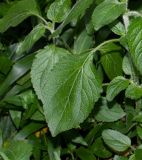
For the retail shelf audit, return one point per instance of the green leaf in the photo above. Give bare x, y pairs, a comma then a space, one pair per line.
45, 60
85, 154
139, 131
99, 149
17, 150
58, 10
17, 71
116, 140
77, 10
69, 99
5, 64
119, 29
28, 130
133, 91
116, 86
120, 158
132, 157
134, 37
17, 13
127, 66
138, 117
107, 12
83, 42
4, 8
16, 117
138, 154
112, 114
24, 46
54, 150
112, 64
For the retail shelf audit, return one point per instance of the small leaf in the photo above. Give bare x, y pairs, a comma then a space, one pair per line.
134, 37
106, 12
100, 150
127, 66
133, 91
17, 150
139, 131
58, 10
106, 114
116, 140
24, 46
17, 13
77, 10
116, 86
69, 92
83, 42
112, 64
45, 60
119, 29
120, 158
85, 154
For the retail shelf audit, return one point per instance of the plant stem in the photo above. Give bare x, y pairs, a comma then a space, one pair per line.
134, 13
104, 43
40, 17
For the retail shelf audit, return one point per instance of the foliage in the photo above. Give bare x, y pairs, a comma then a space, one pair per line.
70, 80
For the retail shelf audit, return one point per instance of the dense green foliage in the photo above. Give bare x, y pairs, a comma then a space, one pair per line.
71, 80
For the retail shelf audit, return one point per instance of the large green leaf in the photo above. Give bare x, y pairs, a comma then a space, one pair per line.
116, 86
17, 13
17, 150
58, 10
45, 60
37, 32
134, 37
112, 64
69, 92
77, 10
116, 140
134, 91
107, 12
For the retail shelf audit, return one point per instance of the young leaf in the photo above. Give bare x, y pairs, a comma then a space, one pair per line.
17, 150
30, 39
69, 92
77, 10
17, 13
58, 10
85, 154
106, 114
133, 91
107, 12
116, 86
116, 140
119, 29
127, 66
83, 42
134, 37
99, 149
45, 60
112, 64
